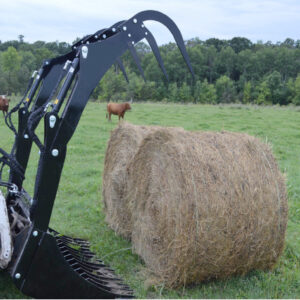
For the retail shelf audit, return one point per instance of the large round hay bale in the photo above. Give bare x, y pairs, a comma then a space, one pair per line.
204, 205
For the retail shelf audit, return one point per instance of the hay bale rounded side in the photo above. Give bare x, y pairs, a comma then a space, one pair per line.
205, 205
122, 146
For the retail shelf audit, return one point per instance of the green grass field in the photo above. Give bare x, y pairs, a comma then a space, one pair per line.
78, 207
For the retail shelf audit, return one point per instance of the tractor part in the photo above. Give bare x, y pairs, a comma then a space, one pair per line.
5, 235
46, 264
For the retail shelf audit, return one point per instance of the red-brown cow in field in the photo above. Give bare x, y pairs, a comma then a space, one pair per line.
118, 109
4, 104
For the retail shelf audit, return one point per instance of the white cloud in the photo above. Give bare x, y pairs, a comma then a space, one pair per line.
52, 20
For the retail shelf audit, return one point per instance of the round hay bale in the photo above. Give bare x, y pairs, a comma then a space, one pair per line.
203, 205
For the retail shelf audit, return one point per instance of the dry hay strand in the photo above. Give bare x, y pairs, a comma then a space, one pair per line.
202, 205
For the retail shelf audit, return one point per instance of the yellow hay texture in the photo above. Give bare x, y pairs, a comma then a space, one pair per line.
196, 205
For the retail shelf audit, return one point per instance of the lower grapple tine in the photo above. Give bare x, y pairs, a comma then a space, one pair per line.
136, 60
152, 42
122, 68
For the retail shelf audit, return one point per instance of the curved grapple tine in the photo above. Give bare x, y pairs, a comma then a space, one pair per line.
152, 42
122, 68
152, 15
136, 59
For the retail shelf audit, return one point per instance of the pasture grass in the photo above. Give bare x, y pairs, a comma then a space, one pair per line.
78, 207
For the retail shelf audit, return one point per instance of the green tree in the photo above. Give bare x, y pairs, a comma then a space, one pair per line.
276, 87
209, 92
226, 61
11, 60
239, 44
225, 90
197, 91
296, 98
205, 92
146, 91
185, 93
42, 54
113, 86
291, 90
11, 64
263, 94
173, 92
247, 97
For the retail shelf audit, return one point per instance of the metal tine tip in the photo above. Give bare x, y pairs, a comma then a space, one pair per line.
95, 272
94, 266
122, 68
82, 246
78, 253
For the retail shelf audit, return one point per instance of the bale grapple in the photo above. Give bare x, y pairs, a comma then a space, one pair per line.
42, 262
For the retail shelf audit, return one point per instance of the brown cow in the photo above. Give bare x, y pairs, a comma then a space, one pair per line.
117, 109
4, 104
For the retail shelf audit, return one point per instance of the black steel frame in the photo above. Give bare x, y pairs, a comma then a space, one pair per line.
44, 265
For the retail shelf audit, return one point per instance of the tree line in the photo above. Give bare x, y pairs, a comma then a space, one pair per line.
226, 71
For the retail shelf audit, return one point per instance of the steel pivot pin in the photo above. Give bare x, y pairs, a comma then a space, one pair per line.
52, 121
55, 152
84, 51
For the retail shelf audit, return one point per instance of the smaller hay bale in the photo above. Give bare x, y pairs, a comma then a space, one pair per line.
198, 205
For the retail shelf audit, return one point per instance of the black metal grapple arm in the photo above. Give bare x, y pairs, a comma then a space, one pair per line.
44, 265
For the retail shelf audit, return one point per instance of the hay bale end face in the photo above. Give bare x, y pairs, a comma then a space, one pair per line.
200, 205
122, 147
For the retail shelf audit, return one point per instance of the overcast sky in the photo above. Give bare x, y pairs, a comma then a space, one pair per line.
65, 20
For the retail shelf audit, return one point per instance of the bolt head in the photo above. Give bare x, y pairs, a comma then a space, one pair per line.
124, 28
26, 136
132, 42
23, 112
84, 51
52, 121
35, 233
55, 152
96, 36
129, 34
142, 25
134, 20
18, 276
114, 29
104, 36
146, 33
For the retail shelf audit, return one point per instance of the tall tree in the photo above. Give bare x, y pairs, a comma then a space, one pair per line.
296, 98
11, 64
225, 90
